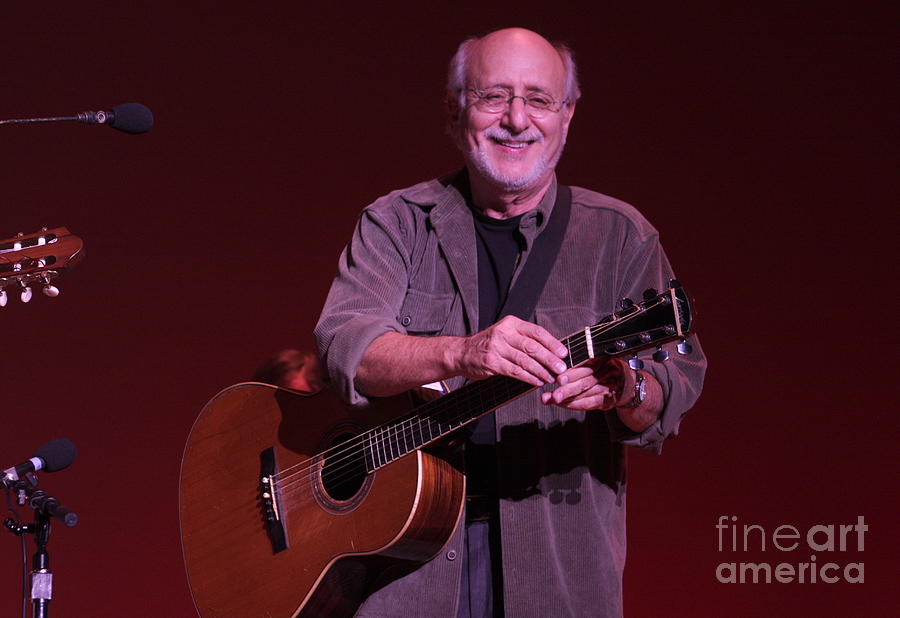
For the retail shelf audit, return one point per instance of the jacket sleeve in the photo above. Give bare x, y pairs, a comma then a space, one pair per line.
366, 294
645, 266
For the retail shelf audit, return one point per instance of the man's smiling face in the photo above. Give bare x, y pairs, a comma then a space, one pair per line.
513, 150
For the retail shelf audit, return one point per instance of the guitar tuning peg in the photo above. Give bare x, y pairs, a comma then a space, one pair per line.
660, 355
650, 294
684, 347
26, 293
625, 303
635, 363
49, 290
3, 298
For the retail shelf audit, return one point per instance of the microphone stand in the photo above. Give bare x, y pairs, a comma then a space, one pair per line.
45, 507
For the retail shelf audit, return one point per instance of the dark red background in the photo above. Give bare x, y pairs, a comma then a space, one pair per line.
758, 140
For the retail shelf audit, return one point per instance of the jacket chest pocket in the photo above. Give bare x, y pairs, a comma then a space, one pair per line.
425, 313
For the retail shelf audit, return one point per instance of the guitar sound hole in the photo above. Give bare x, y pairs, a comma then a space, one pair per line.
344, 471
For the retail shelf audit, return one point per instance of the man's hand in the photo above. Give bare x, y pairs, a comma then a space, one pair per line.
604, 385
595, 386
511, 347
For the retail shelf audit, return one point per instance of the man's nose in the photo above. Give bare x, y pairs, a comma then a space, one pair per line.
516, 119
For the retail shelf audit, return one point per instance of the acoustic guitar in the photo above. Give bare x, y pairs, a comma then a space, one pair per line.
38, 258
293, 505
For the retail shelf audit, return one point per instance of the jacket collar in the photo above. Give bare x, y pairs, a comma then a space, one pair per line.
455, 230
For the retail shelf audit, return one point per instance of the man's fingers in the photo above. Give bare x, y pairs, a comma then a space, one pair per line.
518, 349
533, 373
575, 388
578, 373
597, 397
579, 389
544, 352
517, 364
543, 337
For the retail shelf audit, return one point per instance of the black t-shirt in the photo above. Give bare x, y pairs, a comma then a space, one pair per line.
499, 244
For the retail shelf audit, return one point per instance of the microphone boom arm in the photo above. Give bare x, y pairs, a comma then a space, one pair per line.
84, 118
131, 118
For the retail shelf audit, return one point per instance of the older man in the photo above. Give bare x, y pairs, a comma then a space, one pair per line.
424, 293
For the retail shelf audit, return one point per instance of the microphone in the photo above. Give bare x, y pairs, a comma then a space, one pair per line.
132, 118
53, 456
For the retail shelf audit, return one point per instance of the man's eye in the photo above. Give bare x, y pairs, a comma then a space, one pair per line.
539, 100
494, 96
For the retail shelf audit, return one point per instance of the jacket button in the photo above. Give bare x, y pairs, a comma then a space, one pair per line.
406, 321
451, 555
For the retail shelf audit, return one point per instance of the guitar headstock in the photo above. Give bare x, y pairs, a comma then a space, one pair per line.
659, 318
40, 258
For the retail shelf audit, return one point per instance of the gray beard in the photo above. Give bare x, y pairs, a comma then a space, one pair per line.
478, 158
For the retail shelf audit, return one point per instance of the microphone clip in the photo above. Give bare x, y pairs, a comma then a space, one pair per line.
29, 480
100, 117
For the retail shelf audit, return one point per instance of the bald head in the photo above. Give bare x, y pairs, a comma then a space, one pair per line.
511, 97
526, 45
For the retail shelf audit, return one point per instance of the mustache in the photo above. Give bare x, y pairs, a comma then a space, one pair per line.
503, 134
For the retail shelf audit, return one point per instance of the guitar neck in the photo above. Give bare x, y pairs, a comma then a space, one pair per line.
436, 419
627, 331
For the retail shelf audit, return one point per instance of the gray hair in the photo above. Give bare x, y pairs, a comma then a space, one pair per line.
456, 74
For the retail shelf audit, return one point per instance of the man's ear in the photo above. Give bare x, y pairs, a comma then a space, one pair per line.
569, 111
453, 109
454, 112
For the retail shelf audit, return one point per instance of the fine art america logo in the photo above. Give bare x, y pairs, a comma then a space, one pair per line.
834, 540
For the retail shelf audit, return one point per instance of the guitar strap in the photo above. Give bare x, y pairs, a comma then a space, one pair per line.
523, 297
481, 451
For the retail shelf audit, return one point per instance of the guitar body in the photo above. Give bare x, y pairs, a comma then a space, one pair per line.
337, 541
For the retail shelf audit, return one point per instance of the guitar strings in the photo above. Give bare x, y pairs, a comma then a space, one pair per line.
388, 437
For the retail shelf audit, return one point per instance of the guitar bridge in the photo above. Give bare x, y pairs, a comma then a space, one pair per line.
271, 498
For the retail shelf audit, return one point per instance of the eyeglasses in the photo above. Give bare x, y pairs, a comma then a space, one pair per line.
496, 100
